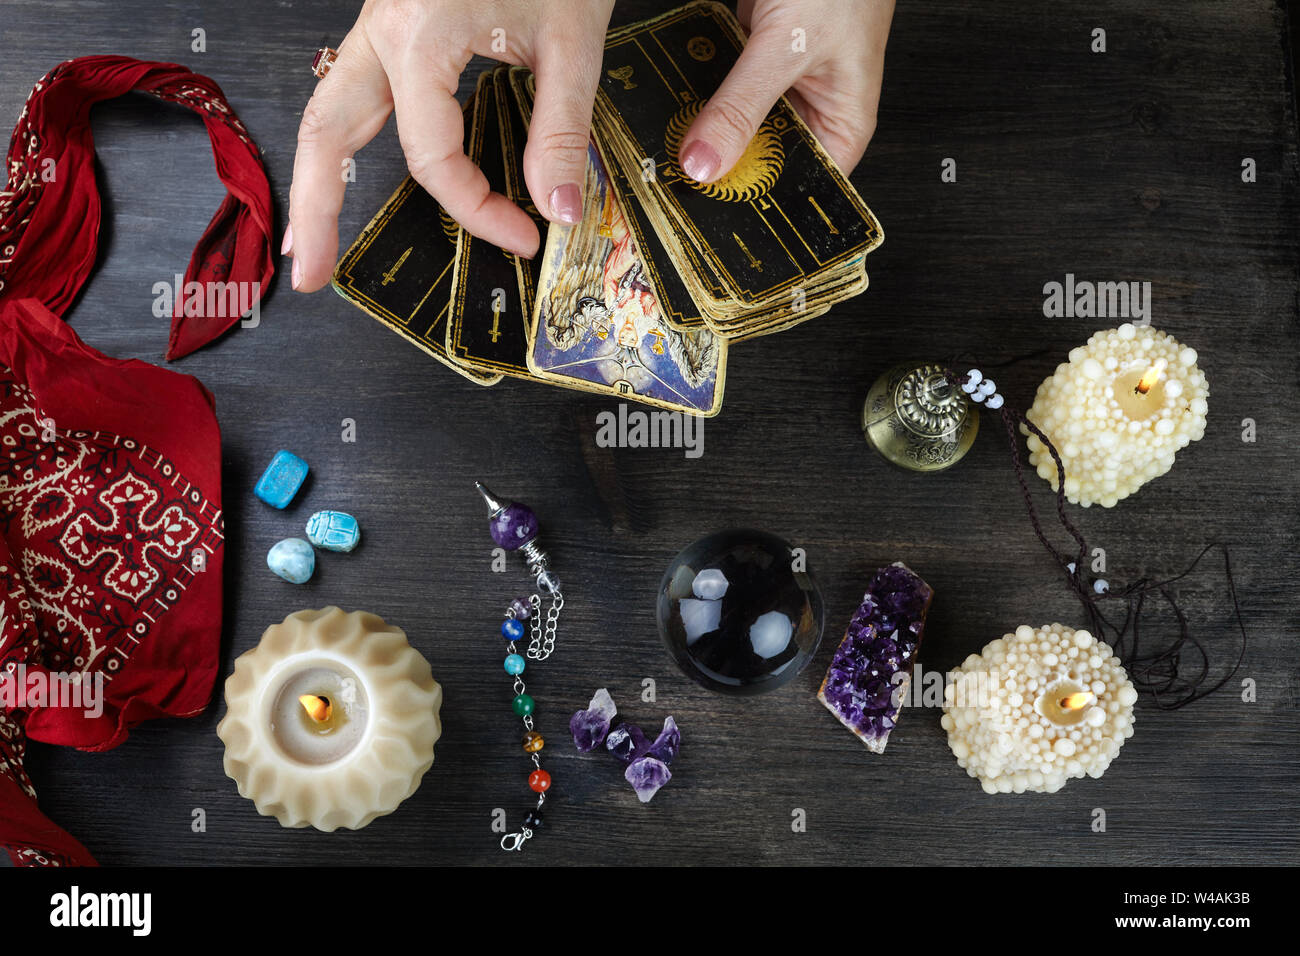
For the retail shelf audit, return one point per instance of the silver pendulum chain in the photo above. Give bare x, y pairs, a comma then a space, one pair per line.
542, 639
541, 643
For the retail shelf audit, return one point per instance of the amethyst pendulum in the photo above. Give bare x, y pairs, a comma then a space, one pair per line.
514, 527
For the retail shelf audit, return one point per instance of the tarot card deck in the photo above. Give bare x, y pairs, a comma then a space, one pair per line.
643, 298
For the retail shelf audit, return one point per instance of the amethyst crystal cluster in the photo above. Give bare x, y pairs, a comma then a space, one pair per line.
646, 763
869, 673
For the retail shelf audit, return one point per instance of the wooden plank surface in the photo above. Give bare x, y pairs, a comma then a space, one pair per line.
1117, 166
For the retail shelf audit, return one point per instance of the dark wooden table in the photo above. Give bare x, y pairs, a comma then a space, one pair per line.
1117, 166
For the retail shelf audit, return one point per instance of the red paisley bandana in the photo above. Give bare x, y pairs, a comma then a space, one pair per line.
110, 471
110, 552
49, 211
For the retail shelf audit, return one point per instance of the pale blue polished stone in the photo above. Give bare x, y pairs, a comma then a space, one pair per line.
292, 559
281, 480
333, 530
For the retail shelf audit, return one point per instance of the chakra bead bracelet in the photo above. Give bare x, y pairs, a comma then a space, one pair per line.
514, 527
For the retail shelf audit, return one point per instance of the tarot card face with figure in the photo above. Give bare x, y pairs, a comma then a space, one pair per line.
597, 321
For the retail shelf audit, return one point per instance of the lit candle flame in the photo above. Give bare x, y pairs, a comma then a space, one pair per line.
1151, 376
318, 708
1076, 701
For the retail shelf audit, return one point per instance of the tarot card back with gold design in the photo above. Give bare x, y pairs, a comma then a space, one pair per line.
784, 219
399, 272
487, 325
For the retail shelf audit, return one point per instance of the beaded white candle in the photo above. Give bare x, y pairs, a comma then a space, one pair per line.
1037, 708
1117, 412
331, 720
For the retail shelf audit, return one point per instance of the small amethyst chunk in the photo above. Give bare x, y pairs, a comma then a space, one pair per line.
667, 743
646, 764
647, 775
590, 727
627, 743
868, 677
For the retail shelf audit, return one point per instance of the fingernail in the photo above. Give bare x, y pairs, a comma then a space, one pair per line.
566, 204
297, 274
524, 253
287, 243
701, 161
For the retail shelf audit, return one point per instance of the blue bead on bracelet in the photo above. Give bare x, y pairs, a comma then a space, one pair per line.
514, 664
511, 629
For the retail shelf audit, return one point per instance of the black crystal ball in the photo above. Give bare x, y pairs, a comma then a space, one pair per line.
740, 612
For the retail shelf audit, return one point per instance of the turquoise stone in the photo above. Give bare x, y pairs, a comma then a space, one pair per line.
281, 480
514, 664
292, 559
333, 530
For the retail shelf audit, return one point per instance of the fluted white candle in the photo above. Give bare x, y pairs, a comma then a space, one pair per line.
331, 720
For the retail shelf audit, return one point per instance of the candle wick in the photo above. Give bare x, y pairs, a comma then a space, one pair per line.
317, 706
1151, 376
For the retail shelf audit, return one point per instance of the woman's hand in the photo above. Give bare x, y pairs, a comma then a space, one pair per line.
826, 55
407, 56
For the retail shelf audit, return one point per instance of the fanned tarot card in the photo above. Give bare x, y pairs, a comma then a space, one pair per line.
399, 271
487, 326
513, 117
524, 86
598, 325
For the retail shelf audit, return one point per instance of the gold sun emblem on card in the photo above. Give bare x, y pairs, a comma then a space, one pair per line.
752, 178
701, 48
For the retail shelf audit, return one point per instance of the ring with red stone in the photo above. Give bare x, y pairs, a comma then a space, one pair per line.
323, 60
